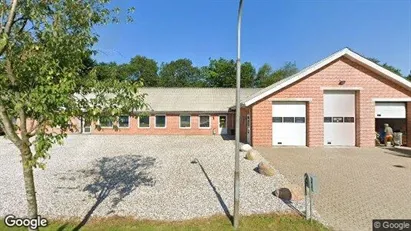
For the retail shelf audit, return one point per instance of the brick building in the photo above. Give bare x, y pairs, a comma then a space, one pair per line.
342, 100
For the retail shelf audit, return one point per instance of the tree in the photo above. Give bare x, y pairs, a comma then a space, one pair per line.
263, 72
266, 76
110, 71
386, 66
222, 73
143, 69
45, 74
179, 73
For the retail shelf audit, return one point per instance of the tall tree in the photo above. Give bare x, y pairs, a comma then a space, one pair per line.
222, 73
44, 78
387, 66
178, 73
143, 69
263, 72
266, 76
111, 71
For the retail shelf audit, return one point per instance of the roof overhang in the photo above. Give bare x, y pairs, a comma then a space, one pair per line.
305, 72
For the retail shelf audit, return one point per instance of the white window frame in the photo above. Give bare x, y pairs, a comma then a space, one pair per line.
112, 123
118, 122
149, 122
165, 121
179, 121
209, 122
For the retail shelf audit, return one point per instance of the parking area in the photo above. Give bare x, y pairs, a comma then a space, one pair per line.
356, 184
148, 177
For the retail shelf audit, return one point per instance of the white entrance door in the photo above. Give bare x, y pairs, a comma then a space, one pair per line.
222, 124
391, 110
289, 123
248, 130
86, 126
339, 118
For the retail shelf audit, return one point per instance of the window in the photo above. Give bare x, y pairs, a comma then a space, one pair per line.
144, 121
300, 119
204, 121
185, 121
348, 119
123, 121
160, 121
328, 119
277, 119
288, 119
106, 122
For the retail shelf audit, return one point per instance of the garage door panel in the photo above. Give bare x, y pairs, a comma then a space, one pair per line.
339, 134
390, 110
339, 118
289, 123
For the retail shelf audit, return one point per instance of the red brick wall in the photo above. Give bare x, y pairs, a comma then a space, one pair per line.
172, 127
374, 86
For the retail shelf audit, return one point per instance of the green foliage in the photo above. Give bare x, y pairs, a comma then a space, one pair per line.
143, 69
222, 73
47, 75
386, 66
179, 73
266, 76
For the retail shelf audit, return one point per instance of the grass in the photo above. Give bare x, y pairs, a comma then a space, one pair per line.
216, 223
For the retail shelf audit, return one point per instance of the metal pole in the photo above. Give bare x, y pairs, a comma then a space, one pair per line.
236, 215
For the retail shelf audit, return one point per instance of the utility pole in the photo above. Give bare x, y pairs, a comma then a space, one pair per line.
236, 215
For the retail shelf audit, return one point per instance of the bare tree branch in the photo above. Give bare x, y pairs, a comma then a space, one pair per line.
11, 17
9, 24
8, 126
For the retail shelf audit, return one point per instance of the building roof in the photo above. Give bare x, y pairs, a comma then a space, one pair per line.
193, 99
346, 52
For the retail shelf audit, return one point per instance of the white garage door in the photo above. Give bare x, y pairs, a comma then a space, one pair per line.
339, 118
390, 110
289, 125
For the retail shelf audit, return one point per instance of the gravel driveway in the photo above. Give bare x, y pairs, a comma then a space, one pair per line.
150, 177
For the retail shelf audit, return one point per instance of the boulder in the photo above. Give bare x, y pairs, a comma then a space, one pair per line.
245, 147
253, 155
290, 192
283, 193
265, 169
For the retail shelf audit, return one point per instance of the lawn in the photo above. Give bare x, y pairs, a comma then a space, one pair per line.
215, 223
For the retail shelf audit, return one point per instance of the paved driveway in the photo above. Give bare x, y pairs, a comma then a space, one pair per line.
356, 184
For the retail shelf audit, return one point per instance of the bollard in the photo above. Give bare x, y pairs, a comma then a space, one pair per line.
311, 187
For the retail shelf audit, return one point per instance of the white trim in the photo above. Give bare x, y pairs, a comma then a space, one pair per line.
165, 121
118, 122
149, 123
391, 99
344, 52
209, 122
292, 99
179, 121
342, 88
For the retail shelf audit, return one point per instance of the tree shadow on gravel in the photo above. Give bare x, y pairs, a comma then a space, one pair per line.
218, 195
116, 177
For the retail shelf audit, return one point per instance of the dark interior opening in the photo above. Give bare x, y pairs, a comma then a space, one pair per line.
397, 125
